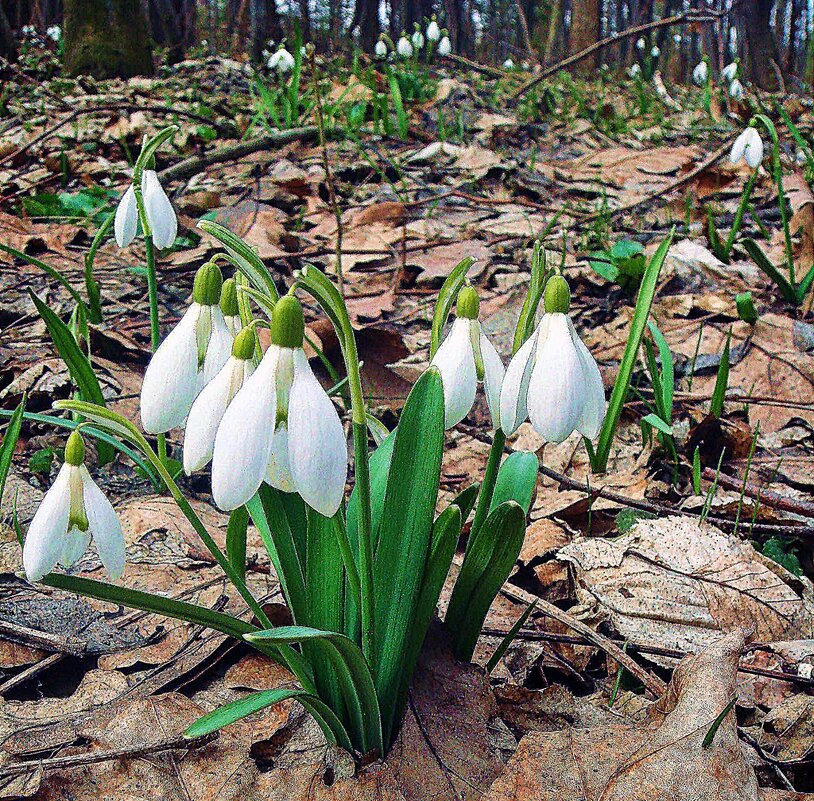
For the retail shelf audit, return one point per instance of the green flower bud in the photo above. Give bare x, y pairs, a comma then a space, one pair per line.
75, 449
557, 295
208, 284
468, 303
243, 346
228, 298
287, 323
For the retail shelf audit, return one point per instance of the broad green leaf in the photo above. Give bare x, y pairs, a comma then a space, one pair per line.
446, 297
331, 726
465, 500
78, 365
405, 533
236, 540
757, 255
516, 480
659, 424
9, 443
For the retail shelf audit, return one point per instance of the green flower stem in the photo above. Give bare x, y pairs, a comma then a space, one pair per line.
741, 210
362, 471
348, 559
487, 489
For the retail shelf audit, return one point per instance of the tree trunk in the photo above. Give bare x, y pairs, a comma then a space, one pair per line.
459, 24
762, 56
8, 47
172, 24
366, 19
586, 29
106, 39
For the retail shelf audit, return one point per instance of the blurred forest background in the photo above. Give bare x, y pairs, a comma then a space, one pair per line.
773, 38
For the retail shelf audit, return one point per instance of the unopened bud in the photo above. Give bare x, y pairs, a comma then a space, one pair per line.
208, 284
75, 449
287, 323
244, 344
228, 298
468, 303
557, 295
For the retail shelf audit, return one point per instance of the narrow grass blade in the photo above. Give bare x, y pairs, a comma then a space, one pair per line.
54, 273
716, 405
446, 298
511, 634
667, 370
9, 443
757, 255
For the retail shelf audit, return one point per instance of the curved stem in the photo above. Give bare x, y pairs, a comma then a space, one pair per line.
487, 490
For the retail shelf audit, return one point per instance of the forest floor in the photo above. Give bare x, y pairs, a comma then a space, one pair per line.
93, 699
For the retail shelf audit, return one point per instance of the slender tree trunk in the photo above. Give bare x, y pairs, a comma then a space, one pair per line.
762, 55
366, 19
794, 26
8, 47
106, 38
586, 29
460, 26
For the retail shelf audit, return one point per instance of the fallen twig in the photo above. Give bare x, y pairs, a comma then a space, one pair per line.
771, 498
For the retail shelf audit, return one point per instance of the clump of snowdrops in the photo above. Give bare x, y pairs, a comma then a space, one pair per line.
361, 572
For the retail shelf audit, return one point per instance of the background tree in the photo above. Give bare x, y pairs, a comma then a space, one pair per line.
8, 47
762, 55
106, 38
586, 29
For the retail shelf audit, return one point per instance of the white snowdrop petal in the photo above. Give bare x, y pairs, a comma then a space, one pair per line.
125, 223
456, 363
593, 410
244, 436
317, 449
159, 211
219, 348
445, 46
493, 372
45, 539
557, 385
278, 471
513, 408
738, 147
104, 525
753, 152
75, 543
170, 382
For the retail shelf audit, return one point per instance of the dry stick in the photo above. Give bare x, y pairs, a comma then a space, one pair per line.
30, 672
195, 164
652, 683
484, 69
677, 19
771, 498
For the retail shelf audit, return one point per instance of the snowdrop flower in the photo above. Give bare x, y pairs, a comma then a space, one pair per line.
730, 71
508, 64
736, 90
157, 209
281, 60
655, 51
405, 49
678, 38
281, 427
209, 407
54, 32
229, 306
466, 357
634, 71
73, 511
444, 46
417, 38
381, 49
553, 379
700, 73
188, 359
749, 147
28, 30
433, 31
640, 43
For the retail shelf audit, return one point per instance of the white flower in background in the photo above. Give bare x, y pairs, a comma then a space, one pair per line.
678, 38
157, 208
417, 38
444, 46
229, 306
634, 71
700, 73
553, 379
736, 90
211, 404
188, 359
508, 64
405, 49
800, 158
28, 30
640, 43
730, 71
655, 52
433, 31
380, 49
466, 357
749, 147
281, 427
54, 32
73, 511
281, 60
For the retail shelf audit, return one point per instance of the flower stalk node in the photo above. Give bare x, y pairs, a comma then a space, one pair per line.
75, 449
287, 323
244, 344
468, 303
228, 298
557, 296
208, 284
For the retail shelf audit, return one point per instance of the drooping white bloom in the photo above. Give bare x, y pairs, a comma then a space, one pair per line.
229, 306
466, 357
433, 31
736, 90
700, 73
211, 404
640, 43
508, 64
157, 208
655, 51
634, 70
380, 49
444, 46
404, 48
28, 30
73, 511
188, 359
417, 38
730, 71
54, 32
281, 427
281, 60
553, 379
749, 147
678, 38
